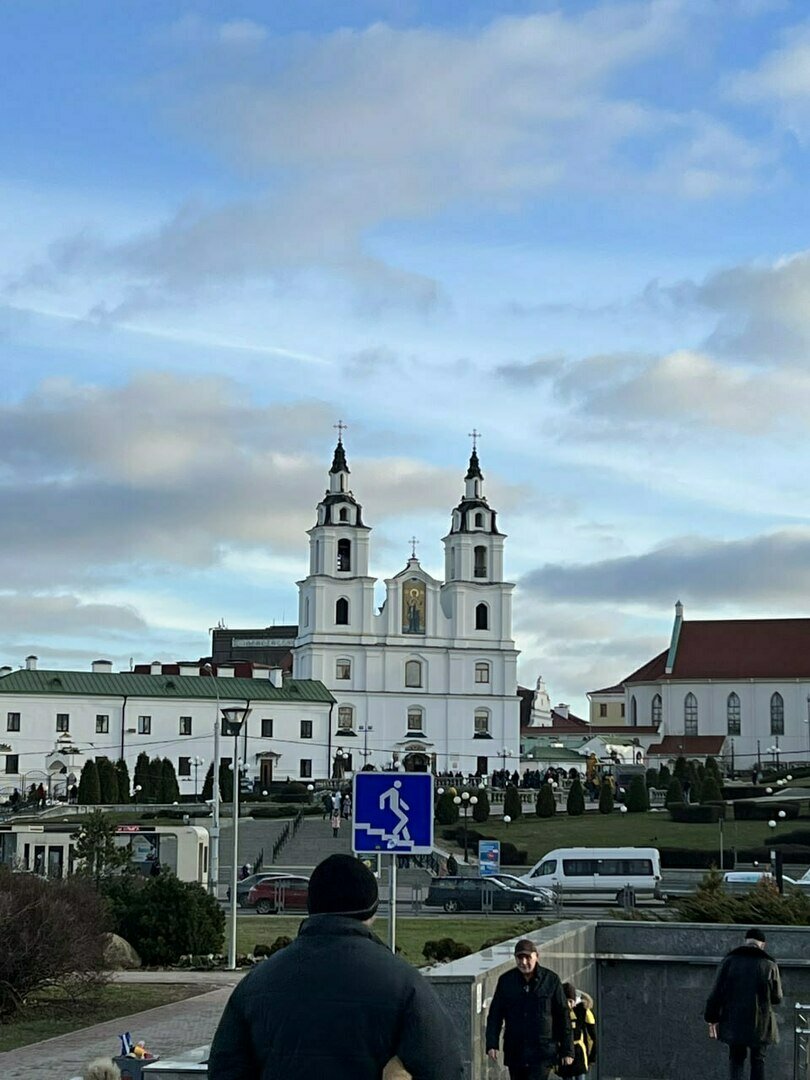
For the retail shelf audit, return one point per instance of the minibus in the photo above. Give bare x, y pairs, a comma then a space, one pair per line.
595, 871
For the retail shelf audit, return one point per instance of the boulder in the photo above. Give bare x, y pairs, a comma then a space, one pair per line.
119, 954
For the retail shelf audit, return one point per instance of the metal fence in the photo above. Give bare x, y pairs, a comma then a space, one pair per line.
801, 1041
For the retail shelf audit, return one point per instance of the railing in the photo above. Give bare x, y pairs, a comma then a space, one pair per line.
287, 833
801, 1041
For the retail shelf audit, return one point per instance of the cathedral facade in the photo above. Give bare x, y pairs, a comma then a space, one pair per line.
429, 679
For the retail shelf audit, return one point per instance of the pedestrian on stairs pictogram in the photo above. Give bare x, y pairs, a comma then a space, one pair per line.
393, 813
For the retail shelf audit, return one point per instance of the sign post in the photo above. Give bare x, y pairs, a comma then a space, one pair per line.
489, 857
392, 813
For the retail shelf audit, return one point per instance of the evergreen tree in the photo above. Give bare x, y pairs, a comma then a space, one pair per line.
680, 768
511, 802
89, 789
637, 798
545, 805
674, 791
575, 804
154, 780
122, 773
225, 782
712, 767
710, 789
107, 782
169, 788
605, 799
693, 776
446, 810
652, 778
664, 777
140, 778
96, 850
480, 812
208, 784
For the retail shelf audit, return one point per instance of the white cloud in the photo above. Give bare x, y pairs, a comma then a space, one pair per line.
781, 82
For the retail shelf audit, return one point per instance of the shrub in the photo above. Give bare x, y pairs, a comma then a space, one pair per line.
445, 949
480, 811
446, 810
510, 855
763, 904
652, 778
107, 782
664, 777
695, 813
764, 811
274, 812
97, 853
122, 774
53, 935
89, 788
712, 767
545, 804
674, 791
606, 800
680, 768
169, 788
674, 858
281, 942
164, 918
511, 802
637, 798
140, 778
575, 804
710, 789
452, 865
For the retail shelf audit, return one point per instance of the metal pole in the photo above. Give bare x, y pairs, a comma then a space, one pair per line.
392, 904
235, 867
213, 860
465, 833
720, 823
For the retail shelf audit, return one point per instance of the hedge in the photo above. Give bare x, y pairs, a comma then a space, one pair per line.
510, 855
694, 813
745, 810
283, 811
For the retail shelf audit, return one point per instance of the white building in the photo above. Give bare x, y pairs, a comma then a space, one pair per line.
51, 722
430, 679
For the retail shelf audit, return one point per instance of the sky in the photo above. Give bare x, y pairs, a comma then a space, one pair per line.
580, 228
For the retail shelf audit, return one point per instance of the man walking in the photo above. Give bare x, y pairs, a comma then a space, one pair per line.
335, 1003
739, 1011
531, 1003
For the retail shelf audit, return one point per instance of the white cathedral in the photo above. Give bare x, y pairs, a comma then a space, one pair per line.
428, 681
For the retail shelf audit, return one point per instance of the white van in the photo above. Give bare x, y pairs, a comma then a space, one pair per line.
599, 870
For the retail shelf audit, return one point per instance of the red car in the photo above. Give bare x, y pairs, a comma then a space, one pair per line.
278, 895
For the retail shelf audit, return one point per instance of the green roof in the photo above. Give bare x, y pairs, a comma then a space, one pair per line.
129, 684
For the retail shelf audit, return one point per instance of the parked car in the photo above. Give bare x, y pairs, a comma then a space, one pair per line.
278, 895
244, 886
743, 880
475, 894
513, 882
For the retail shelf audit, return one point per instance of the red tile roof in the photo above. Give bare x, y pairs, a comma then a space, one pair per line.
617, 689
688, 746
624, 729
735, 649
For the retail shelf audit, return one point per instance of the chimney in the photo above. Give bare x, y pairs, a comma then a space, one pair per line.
275, 675
156, 668
189, 669
562, 710
5, 670
261, 672
102, 667
225, 671
31, 663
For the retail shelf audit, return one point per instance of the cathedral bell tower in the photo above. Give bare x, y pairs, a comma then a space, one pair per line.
473, 549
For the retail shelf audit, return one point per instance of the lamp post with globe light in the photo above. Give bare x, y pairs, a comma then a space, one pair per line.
233, 717
214, 832
196, 762
465, 801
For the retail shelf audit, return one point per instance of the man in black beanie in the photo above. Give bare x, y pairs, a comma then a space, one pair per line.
335, 1004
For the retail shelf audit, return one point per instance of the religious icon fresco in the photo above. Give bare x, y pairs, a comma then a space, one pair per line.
413, 606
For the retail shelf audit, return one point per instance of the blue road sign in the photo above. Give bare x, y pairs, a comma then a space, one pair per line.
393, 813
489, 857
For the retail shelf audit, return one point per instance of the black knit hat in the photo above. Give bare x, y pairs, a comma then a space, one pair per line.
342, 885
754, 934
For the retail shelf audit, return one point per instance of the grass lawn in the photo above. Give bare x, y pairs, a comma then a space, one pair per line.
42, 1019
540, 835
411, 933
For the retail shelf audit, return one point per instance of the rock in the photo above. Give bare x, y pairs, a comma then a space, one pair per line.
119, 954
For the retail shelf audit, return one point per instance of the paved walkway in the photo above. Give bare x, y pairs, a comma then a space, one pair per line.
168, 1030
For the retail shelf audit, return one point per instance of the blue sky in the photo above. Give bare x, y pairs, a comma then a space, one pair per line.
580, 228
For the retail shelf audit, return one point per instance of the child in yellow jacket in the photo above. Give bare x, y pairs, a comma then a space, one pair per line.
583, 1026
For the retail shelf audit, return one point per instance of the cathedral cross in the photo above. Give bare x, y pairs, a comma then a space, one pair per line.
475, 436
340, 427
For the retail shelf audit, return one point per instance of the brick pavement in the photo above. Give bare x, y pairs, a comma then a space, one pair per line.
169, 1030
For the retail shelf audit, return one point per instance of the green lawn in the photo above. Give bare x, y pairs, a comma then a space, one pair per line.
539, 835
412, 933
42, 1019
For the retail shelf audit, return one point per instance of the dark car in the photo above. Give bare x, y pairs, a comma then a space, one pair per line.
279, 895
482, 894
244, 886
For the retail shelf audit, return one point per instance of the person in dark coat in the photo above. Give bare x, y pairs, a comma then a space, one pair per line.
335, 1004
530, 1002
739, 1010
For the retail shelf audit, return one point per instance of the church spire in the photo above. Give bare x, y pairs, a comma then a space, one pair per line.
474, 469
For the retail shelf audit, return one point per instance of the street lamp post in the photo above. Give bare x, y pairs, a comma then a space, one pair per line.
196, 762
213, 861
233, 718
775, 751
465, 801
366, 728
504, 753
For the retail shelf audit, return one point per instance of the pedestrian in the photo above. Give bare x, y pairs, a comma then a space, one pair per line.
335, 1003
335, 823
583, 1031
41, 797
347, 806
326, 803
530, 1004
739, 1010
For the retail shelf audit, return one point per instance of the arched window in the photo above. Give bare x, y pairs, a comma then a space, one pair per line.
690, 715
481, 722
656, 710
343, 513
452, 564
342, 612
633, 712
343, 669
480, 561
346, 717
413, 673
481, 617
777, 714
306, 611
733, 714
479, 520
416, 719
344, 554
482, 672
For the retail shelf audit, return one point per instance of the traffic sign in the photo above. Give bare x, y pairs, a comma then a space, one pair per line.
393, 813
489, 857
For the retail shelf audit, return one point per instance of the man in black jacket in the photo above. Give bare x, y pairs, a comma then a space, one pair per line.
739, 1011
531, 1002
335, 1004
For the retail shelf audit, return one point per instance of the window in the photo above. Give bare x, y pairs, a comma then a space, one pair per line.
656, 710
413, 673
777, 714
480, 561
345, 717
482, 672
144, 725
690, 715
306, 611
185, 725
633, 712
481, 726
733, 714
621, 710
603, 709
344, 554
63, 721
580, 867
305, 768
452, 564
344, 513
13, 721
481, 617
267, 727
547, 867
306, 729
184, 766
102, 724
479, 521
343, 669
416, 719
342, 612
12, 763
482, 767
